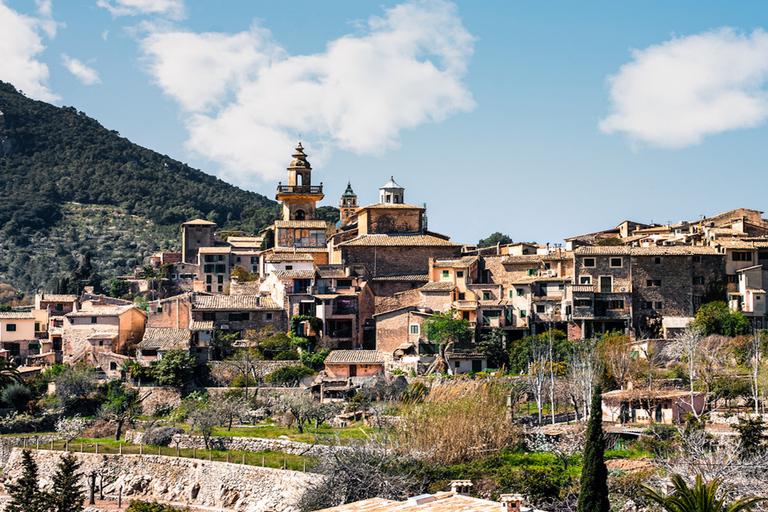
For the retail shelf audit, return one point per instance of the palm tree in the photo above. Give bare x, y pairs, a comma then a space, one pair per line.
699, 498
8, 373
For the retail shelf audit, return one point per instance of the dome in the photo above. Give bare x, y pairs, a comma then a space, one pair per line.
391, 184
299, 158
349, 192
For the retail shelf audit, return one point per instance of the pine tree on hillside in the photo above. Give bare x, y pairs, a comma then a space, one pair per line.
67, 494
594, 474
26, 495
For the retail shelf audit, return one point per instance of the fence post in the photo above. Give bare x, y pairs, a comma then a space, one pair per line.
66, 445
141, 449
38, 443
227, 456
194, 452
243, 459
121, 448
81, 447
24, 442
97, 448
210, 454
263, 458
159, 448
51, 445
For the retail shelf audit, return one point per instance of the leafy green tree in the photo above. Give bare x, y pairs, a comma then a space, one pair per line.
594, 474
493, 345
269, 240
289, 375
328, 214
494, 239
122, 405
174, 369
446, 331
67, 494
699, 498
145, 506
74, 385
242, 275
119, 288
520, 350
717, 318
25, 493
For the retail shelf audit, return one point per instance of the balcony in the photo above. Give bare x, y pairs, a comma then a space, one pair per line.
299, 189
466, 304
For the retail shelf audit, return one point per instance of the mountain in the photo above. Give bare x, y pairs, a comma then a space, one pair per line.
56, 163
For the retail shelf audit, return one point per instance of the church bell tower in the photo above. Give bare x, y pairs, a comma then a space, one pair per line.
299, 197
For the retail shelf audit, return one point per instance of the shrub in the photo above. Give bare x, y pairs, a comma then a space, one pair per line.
415, 393
160, 436
16, 396
289, 374
288, 355
145, 506
239, 382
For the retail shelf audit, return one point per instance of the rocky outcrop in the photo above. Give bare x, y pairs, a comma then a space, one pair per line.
193, 481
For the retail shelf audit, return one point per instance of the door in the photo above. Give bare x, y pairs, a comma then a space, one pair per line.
353, 370
606, 284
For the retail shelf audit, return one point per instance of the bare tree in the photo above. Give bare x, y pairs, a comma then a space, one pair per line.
537, 373
687, 348
615, 351
583, 369
230, 407
203, 420
564, 444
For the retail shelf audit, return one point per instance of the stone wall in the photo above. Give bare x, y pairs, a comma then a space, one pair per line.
249, 444
197, 482
7, 444
261, 368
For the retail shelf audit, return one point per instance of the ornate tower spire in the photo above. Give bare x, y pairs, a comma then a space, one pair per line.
347, 204
299, 196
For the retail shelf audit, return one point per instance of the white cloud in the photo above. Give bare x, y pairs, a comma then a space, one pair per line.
84, 73
674, 94
247, 100
20, 43
174, 9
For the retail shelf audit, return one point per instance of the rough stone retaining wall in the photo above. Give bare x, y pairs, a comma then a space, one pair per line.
193, 481
245, 444
7, 444
721, 418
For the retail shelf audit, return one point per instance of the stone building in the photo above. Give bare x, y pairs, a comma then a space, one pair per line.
102, 329
354, 363
194, 235
237, 314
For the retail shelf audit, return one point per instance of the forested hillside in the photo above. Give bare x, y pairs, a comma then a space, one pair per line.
52, 158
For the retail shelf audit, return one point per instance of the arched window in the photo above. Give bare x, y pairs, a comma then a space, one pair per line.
299, 180
300, 215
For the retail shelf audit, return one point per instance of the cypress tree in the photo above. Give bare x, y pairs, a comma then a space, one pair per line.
67, 494
25, 493
594, 474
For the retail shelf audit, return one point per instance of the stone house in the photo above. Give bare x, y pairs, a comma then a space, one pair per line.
650, 406
236, 314
214, 269
401, 332
172, 312
102, 329
21, 333
196, 234
354, 363
157, 341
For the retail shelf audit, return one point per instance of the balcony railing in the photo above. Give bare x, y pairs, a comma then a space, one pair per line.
299, 189
466, 304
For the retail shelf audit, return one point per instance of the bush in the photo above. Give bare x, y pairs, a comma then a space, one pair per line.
161, 436
288, 355
289, 374
239, 382
16, 396
145, 506
415, 393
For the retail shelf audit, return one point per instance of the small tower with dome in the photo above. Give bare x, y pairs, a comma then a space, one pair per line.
391, 193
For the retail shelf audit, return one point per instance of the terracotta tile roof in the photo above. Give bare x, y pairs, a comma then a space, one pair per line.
304, 224
198, 222
234, 302
165, 338
102, 311
215, 250
598, 250
48, 297
288, 257
245, 241
438, 286
16, 315
355, 357
406, 240
294, 274
339, 271
403, 277
392, 206
443, 502
463, 262
201, 325
672, 250
297, 250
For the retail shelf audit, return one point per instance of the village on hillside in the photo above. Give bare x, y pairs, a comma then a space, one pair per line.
388, 346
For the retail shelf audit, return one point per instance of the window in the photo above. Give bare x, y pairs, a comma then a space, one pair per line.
254, 260
540, 308
239, 317
208, 280
220, 269
732, 278
698, 280
289, 267
10, 327
207, 288
589, 262
220, 279
462, 295
221, 288
696, 301
37, 326
523, 313
511, 293
547, 266
742, 256
647, 305
268, 317
657, 305
530, 272
654, 283
657, 260
616, 262
112, 366
561, 287
459, 273
519, 292
159, 309
414, 329
344, 283
615, 304
208, 269
209, 259
94, 319
209, 317
585, 279
486, 295
696, 259
606, 284
582, 303
238, 259
59, 307
445, 274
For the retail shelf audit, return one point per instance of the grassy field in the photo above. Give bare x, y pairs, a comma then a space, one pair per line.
323, 435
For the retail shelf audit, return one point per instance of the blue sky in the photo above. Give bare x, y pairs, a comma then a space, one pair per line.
541, 120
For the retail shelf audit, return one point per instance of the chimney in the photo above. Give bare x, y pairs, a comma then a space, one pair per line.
461, 487
511, 502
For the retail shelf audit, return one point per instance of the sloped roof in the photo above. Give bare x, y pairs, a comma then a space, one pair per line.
355, 357
289, 257
201, 325
442, 502
198, 222
50, 297
407, 240
165, 338
438, 286
462, 262
234, 302
304, 224
16, 315
103, 311
403, 277
294, 274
